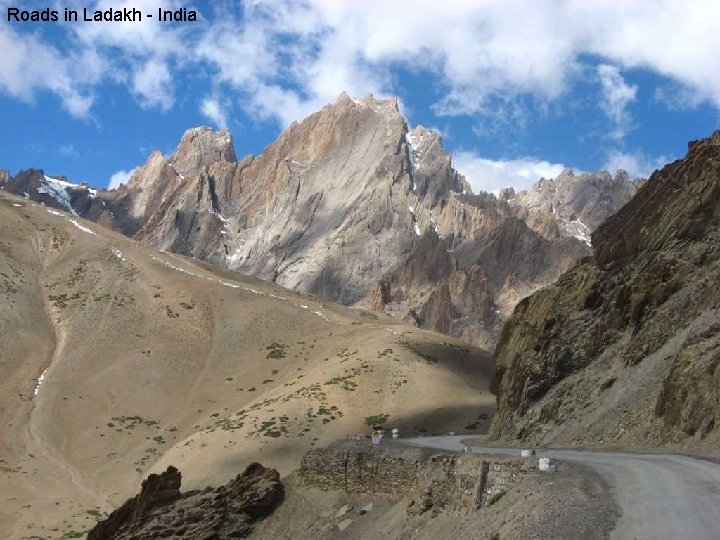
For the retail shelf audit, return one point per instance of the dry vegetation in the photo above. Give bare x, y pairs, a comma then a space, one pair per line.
147, 359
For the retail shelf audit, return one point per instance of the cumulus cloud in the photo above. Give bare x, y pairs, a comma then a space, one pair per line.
28, 66
490, 175
214, 111
636, 164
284, 59
616, 96
120, 177
152, 83
310, 51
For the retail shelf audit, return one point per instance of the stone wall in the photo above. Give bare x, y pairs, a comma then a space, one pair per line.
431, 479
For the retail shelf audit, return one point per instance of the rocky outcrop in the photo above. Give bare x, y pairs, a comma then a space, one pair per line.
157, 488
623, 348
161, 511
430, 479
355, 207
56, 192
572, 205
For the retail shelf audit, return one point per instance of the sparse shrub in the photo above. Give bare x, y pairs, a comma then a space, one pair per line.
277, 350
376, 419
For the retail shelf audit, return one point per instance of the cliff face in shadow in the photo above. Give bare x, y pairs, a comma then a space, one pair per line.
624, 348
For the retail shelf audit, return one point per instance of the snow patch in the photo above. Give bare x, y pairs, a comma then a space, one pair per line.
16, 205
118, 253
38, 383
321, 315
417, 229
416, 148
579, 230
180, 176
55, 213
57, 190
81, 227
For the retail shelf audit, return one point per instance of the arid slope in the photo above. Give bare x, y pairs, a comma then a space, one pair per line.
117, 360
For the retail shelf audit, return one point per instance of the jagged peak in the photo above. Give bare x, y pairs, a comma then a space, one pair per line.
200, 135
390, 104
621, 175
202, 146
712, 140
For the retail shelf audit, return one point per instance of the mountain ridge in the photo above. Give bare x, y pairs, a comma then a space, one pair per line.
338, 205
623, 349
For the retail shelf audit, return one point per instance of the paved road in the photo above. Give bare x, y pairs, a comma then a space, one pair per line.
662, 496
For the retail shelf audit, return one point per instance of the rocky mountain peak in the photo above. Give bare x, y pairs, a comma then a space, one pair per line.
389, 105
573, 205
202, 146
697, 146
425, 143
352, 197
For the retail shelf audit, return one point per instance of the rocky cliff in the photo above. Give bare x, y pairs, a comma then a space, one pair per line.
353, 206
161, 511
624, 348
572, 205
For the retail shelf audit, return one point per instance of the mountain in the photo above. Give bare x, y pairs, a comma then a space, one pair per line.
623, 349
353, 206
572, 205
119, 360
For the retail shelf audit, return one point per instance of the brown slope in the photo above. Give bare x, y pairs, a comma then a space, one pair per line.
623, 349
152, 359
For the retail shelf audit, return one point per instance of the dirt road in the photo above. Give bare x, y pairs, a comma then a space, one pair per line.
662, 496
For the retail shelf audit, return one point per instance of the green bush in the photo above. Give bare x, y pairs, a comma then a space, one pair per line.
376, 419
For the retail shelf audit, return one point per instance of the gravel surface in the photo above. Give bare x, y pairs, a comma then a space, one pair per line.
660, 496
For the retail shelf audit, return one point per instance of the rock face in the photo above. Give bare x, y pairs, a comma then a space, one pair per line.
56, 192
625, 347
572, 205
353, 206
430, 479
161, 511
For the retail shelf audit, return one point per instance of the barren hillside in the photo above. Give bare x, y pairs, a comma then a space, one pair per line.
118, 359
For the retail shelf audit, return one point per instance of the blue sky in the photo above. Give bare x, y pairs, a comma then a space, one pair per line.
518, 89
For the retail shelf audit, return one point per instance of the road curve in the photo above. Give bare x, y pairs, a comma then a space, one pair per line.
661, 496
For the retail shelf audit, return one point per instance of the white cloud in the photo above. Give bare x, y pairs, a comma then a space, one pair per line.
214, 111
120, 177
28, 66
286, 58
490, 175
299, 56
676, 97
616, 96
153, 85
636, 164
